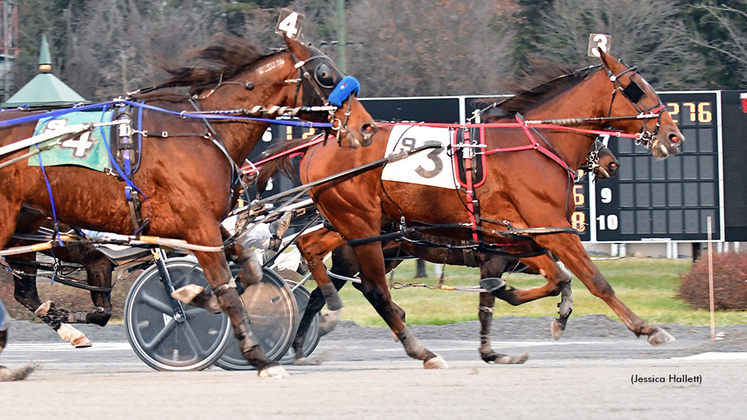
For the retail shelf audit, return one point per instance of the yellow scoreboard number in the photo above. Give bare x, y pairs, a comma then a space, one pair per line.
694, 111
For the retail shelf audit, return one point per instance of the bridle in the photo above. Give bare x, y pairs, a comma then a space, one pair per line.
634, 93
592, 159
323, 79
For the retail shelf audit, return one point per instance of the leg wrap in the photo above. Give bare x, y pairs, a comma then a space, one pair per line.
234, 308
333, 300
565, 307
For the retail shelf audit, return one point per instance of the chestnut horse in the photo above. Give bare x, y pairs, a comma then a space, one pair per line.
188, 179
532, 154
600, 160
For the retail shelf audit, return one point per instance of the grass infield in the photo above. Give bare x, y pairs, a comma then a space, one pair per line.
647, 286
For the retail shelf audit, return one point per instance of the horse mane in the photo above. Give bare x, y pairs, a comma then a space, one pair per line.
282, 164
225, 57
544, 80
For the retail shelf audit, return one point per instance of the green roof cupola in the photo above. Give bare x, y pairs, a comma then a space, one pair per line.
45, 58
44, 90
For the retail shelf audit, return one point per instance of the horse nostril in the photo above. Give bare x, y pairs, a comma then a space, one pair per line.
675, 138
614, 165
369, 129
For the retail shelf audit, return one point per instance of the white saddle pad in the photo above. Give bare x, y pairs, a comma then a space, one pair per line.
429, 167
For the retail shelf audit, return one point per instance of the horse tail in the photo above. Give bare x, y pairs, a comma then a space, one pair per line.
277, 163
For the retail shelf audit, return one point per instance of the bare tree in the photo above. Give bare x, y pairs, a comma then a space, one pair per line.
647, 33
411, 48
114, 44
732, 22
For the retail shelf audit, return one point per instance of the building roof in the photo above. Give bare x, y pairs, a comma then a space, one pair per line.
45, 89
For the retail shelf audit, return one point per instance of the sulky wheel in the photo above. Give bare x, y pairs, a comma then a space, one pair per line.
163, 340
273, 317
302, 295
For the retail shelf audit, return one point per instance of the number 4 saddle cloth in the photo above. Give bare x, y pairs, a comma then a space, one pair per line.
444, 167
90, 149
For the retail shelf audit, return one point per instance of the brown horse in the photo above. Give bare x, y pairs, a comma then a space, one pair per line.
527, 189
187, 179
600, 160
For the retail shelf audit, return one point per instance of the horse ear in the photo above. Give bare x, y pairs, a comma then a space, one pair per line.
605, 59
297, 48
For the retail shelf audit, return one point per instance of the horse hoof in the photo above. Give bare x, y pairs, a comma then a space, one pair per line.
504, 359
437, 362
76, 338
557, 328
273, 372
187, 293
494, 285
195, 295
329, 322
81, 342
44, 308
7, 375
518, 360
659, 337
300, 361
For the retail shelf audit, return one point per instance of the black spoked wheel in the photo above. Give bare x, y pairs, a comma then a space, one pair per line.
274, 318
164, 341
302, 295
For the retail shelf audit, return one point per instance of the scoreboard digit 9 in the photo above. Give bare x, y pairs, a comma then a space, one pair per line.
667, 199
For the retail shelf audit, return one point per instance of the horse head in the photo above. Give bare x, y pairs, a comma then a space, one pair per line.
608, 164
634, 98
322, 83
601, 161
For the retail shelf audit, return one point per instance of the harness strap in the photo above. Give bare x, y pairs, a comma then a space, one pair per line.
473, 206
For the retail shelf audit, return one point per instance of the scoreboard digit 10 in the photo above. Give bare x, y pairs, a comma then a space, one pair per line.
660, 199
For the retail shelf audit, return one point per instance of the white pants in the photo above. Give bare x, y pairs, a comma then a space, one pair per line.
4, 318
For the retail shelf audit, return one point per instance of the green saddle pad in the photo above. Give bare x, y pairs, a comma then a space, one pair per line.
87, 149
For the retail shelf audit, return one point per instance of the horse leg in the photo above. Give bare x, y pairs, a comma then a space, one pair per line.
342, 264
374, 288
492, 267
26, 293
558, 283
219, 277
7, 375
568, 248
314, 246
99, 273
565, 307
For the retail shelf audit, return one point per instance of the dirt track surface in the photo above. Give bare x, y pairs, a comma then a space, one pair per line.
360, 373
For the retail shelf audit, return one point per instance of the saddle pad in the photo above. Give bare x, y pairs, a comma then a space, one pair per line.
88, 149
430, 167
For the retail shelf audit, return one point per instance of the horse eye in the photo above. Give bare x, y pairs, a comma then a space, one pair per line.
324, 76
